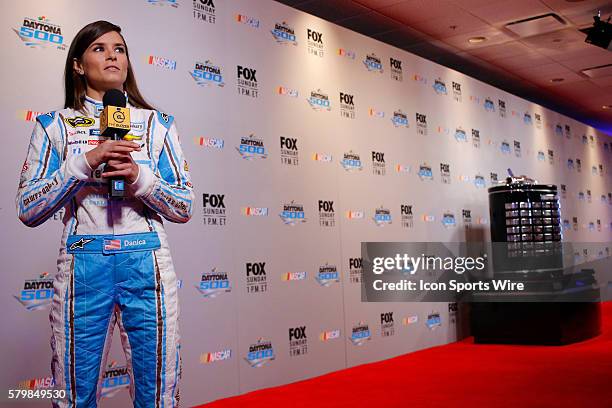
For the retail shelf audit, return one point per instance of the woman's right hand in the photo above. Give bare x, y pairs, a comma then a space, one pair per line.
110, 149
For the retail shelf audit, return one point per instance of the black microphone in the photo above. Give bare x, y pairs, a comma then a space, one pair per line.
115, 122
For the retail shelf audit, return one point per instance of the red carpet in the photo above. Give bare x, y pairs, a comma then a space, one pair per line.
461, 374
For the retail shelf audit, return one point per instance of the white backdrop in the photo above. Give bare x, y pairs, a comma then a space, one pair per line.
397, 119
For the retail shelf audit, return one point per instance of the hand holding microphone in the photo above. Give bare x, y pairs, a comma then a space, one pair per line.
115, 122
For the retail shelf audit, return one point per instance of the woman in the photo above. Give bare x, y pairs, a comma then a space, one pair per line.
114, 263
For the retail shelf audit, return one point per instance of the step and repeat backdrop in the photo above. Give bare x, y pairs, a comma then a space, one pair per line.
304, 139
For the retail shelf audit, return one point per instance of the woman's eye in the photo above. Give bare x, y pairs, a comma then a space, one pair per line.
98, 48
120, 49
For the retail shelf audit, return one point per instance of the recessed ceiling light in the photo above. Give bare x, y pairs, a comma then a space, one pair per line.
476, 40
557, 80
606, 107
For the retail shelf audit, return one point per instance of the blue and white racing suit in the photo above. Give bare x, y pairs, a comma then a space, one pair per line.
114, 262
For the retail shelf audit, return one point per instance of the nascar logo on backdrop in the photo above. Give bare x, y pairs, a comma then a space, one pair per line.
161, 62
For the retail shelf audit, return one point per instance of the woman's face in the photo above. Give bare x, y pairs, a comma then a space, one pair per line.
104, 63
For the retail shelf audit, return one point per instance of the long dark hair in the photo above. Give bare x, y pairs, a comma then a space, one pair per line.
75, 85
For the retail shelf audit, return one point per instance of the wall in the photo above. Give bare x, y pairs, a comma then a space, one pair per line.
451, 121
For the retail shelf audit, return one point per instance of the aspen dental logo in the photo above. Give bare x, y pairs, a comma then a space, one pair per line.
207, 358
292, 214
327, 275
448, 219
252, 148
329, 335
319, 101
260, 353
425, 172
250, 21
255, 211
351, 162
460, 135
433, 321
40, 33
440, 87
206, 74
36, 293
360, 333
161, 62
209, 142
400, 119
489, 105
214, 283
283, 90
284, 34
382, 216
373, 63
115, 379
293, 276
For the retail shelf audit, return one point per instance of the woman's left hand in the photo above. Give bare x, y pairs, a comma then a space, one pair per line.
124, 167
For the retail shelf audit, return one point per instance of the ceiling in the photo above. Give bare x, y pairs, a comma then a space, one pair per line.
519, 58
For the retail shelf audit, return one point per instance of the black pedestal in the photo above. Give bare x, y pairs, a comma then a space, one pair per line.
535, 323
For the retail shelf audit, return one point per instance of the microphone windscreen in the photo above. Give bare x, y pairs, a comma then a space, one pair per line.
114, 97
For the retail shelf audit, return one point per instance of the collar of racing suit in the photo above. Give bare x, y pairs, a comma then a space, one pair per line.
96, 107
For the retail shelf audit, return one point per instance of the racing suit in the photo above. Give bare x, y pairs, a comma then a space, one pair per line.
114, 263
